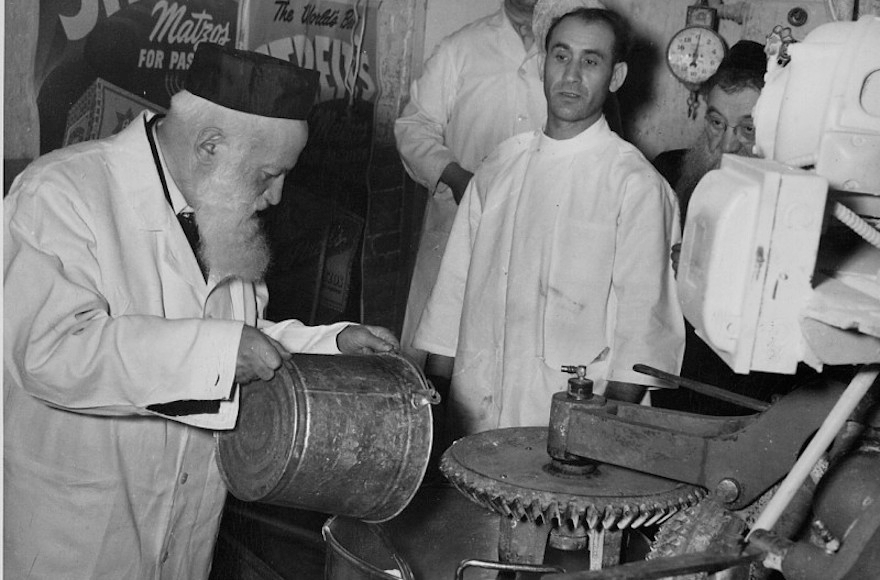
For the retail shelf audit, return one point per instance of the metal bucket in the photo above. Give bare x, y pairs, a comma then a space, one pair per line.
339, 434
359, 551
438, 535
427, 541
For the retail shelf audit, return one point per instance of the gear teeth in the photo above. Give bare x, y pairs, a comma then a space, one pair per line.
628, 514
537, 512
518, 510
571, 512
612, 516
591, 518
656, 515
500, 505
552, 512
665, 517
644, 512
594, 512
652, 516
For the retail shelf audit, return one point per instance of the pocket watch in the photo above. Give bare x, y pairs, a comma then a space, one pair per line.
694, 54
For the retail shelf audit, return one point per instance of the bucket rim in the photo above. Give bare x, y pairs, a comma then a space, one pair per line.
330, 539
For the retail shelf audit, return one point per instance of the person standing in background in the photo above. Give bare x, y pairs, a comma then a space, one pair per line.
479, 87
560, 252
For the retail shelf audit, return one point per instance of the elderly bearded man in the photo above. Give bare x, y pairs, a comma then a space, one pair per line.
560, 249
120, 355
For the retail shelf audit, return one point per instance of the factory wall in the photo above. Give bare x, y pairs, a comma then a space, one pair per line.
386, 206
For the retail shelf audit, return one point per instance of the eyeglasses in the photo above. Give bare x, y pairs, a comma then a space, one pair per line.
717, 125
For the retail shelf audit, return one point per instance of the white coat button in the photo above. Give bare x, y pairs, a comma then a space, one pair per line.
183, 478
164, 556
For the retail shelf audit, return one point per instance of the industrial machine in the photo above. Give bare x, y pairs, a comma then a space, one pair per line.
780, 265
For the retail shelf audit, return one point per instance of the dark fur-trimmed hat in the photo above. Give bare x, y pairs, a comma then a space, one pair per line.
251, 82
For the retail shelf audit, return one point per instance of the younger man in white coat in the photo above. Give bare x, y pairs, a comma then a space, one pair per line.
117, 346
560, 249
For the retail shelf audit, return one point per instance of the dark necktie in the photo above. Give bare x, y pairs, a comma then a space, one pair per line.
188, 223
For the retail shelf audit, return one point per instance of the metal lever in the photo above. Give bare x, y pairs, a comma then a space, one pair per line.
703, 388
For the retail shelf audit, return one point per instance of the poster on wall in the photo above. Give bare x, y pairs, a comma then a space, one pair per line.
337, 38
134, 52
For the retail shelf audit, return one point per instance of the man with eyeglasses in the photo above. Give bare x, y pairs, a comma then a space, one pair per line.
730, 96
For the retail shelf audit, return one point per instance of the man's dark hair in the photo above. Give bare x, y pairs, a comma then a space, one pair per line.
618, 24
742, 68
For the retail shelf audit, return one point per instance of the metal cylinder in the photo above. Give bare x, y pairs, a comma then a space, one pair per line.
340, 434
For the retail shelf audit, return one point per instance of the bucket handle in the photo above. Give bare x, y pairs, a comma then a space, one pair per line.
423, 397
402, 565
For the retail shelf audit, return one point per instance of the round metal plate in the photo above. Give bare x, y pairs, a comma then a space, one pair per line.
507, 471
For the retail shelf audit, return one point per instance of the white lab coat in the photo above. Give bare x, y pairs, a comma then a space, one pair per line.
479, 88
106, 313
559, 249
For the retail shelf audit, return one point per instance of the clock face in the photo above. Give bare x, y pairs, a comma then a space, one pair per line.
694, 54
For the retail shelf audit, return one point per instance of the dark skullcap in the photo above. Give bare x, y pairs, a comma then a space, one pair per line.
746, 55
251, 82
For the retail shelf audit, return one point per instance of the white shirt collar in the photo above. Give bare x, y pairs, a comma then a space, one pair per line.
178, 202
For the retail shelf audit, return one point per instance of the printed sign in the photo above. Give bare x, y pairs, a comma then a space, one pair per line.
337, 39
141, 46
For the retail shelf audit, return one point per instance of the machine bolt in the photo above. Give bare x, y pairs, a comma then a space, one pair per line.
727, 490
798, 16
579, 387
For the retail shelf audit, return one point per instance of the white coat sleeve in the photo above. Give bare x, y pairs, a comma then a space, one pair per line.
293, 334
420, 130
439, 326
649, 324
64, 344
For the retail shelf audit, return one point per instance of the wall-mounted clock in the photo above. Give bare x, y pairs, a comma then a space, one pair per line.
694, 54
696, 51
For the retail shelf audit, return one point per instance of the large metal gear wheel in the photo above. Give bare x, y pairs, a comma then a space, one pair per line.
509, 471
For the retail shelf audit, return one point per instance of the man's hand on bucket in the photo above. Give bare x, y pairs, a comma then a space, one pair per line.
366, 339
259, 356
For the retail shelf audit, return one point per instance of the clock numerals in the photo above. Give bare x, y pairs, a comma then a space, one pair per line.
694, 54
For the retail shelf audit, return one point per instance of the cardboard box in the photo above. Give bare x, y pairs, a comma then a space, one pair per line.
103, 110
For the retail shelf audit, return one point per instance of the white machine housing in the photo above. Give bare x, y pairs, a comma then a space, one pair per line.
750, 245
823, 108
748, 253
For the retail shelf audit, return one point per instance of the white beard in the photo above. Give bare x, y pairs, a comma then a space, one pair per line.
232, 240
